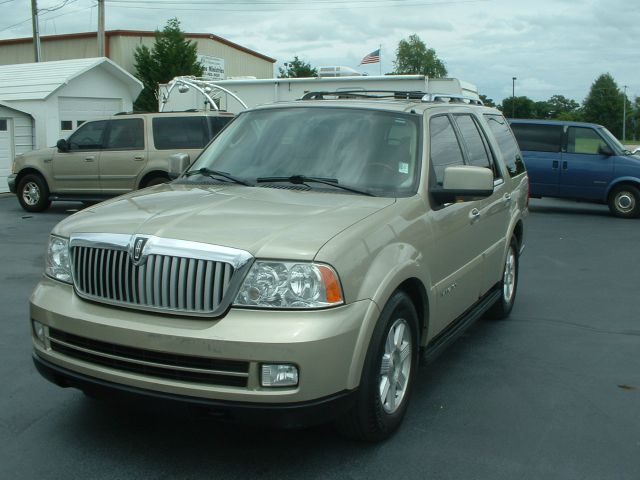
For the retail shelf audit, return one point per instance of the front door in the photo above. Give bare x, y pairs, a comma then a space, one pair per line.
76, 170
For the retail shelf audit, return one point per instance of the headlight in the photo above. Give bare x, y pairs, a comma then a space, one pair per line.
58, 264
290, 285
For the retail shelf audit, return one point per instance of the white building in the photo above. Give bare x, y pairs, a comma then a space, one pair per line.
42, 102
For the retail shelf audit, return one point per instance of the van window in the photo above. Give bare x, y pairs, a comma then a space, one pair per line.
88, 136
538, 138
125, 134
507, 143
171, 133
216, 124
445, 149
584, 140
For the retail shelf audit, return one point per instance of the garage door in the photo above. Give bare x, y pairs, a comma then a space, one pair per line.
6, 153
76, 110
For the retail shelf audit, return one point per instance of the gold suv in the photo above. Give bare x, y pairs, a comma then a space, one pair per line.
296, 270
108, 157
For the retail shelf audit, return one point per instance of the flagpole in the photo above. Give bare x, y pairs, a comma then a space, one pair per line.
380, 50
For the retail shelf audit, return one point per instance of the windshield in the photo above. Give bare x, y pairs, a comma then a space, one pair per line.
613, 141
370, 151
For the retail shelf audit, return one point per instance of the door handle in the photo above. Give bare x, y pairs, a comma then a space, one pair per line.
507, 198
138, 158
554, 164
474, 215
564, 165
89, 159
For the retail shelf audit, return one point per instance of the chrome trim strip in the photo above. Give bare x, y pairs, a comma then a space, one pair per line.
142, 362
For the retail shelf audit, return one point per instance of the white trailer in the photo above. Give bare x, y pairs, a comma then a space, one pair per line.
184, 93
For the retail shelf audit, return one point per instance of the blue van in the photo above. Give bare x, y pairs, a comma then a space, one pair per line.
579, 161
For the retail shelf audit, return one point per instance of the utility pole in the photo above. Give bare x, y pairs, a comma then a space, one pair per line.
513, 97
36, 30
101, 49
624, 115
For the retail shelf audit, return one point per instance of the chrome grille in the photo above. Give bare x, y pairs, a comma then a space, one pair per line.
162, 282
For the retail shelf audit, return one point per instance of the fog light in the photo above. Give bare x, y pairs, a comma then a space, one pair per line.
283, 375
38, 330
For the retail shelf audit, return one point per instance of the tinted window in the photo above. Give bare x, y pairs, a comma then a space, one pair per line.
125, 134
538, 138
584, 140
66, 125
476, 147
3, 125
171, 133
445, 150
216, 124
507, 144
88, 136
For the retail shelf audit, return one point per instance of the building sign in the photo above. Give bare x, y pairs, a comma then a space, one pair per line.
213, 67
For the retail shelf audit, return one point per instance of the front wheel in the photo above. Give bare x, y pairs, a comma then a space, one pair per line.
33, 193
508, 284
387, 374
624, 201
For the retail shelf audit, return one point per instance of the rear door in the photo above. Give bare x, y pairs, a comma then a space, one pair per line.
76, 170
585, 172
123, 156
541, 146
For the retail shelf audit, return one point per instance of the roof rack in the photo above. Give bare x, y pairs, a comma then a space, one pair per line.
392, 94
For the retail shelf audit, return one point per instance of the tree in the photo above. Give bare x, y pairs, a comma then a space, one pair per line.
171, 55
559, 105
524, 107
413, 57
297, 68
604, 103
541, 110
487, 101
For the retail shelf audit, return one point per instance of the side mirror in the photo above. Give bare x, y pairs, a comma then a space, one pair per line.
605, 150
178, 163
463, 182
62, 145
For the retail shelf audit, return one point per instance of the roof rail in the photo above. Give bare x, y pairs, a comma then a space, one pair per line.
393, 94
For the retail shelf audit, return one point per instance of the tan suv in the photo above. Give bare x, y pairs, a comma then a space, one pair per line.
108, 157
295, 271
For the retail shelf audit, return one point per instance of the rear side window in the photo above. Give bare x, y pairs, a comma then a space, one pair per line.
125, 134
538, 138
171, 133
476, 147
507, 144
584, 140
445, 149
216, 124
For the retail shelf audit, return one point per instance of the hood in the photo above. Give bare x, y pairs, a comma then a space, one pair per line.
266, 222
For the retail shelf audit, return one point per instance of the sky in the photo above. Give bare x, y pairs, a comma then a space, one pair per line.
552, 47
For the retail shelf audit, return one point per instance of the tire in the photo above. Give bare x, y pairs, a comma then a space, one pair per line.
387, 375
33, 193
155, 180
624, 201
508, 284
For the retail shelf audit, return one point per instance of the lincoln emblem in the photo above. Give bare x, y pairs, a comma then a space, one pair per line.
137, 249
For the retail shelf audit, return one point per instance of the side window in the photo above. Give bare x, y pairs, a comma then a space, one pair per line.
125, 134
584, 140
506, 143
216, 124
538, 138
477, 147
171, 133
88, 136
445, 149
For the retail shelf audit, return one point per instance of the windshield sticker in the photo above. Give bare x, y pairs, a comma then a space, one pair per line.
403, 167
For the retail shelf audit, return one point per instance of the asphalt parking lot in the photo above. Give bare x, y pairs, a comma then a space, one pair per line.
551, 393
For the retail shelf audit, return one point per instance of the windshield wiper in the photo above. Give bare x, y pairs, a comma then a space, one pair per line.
207, 172
302, 179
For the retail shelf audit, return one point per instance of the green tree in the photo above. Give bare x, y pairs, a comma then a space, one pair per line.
518, 107
170, 56
604, 104
413, 57
487, 101
560, 105
297, 68
541, 110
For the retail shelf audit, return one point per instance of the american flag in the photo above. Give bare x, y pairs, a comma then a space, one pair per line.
373, 57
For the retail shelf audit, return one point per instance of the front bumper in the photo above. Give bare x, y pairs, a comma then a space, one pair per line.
11, 180
88, 343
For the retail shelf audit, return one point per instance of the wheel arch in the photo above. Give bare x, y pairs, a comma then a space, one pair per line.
151, 174
628, 180
31, 170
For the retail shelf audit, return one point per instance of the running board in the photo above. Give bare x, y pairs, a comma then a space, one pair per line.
459, 326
